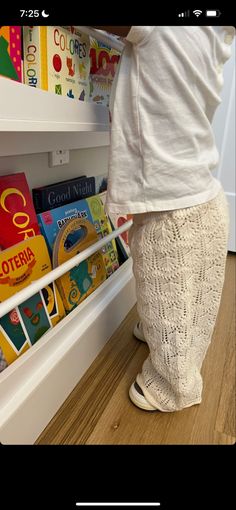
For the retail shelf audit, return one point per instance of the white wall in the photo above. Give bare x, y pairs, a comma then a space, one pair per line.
92, 161
224, 129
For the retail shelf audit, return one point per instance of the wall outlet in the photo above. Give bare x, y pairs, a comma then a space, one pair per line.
60, 157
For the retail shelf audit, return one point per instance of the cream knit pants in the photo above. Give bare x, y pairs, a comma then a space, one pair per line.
179, 265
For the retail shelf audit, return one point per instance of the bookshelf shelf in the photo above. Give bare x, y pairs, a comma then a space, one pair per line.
24, 108
34, 120
34, 387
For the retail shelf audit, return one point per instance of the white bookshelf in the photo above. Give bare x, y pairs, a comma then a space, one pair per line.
34, 387
33, 120
24, 108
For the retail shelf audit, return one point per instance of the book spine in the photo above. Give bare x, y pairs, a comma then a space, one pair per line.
31, 50
53, 197
44, 57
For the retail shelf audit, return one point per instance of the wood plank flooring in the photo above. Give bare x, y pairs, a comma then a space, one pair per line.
99, 411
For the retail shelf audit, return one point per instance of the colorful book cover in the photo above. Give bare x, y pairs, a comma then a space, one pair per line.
22, 327
35, 317
57, 59
103, 63
91, 209
14, 339
103, 228
17, 214
61, 193
52, 221
10, 52
84, 278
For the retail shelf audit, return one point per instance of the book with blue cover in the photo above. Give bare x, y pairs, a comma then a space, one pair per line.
91, 209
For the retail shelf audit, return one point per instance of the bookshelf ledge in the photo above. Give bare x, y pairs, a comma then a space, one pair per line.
25, 108
34, 387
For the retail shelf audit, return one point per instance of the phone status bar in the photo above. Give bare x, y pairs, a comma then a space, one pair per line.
164, 16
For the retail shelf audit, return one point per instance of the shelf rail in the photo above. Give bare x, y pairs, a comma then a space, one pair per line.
102, 36
21, 296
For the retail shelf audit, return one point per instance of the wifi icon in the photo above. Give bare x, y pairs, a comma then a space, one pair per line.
197, 12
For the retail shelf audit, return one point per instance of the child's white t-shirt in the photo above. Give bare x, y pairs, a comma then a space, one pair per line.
164, 96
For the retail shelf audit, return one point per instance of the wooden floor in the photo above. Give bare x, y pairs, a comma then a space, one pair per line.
99, 411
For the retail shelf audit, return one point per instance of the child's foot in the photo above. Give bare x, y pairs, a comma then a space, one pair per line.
137, 397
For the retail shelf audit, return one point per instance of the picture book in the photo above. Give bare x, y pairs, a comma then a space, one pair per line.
52, 221
57, 59
22, 264
91, 209
103, 63
64, 192
17, 215
103, 228
22, 327
10, 52
84, 278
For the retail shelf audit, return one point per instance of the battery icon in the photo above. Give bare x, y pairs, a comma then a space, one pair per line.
213, 14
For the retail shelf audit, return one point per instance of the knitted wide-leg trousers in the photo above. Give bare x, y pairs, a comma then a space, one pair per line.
179, 266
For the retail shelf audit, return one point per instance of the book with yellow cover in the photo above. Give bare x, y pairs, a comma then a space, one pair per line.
57, 59
75, 236
103, 228
20, 265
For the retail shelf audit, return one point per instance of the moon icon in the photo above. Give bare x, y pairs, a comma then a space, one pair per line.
44, 14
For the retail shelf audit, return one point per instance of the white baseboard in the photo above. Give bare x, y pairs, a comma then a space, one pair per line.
232, 210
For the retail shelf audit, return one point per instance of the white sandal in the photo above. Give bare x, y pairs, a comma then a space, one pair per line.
137, 397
